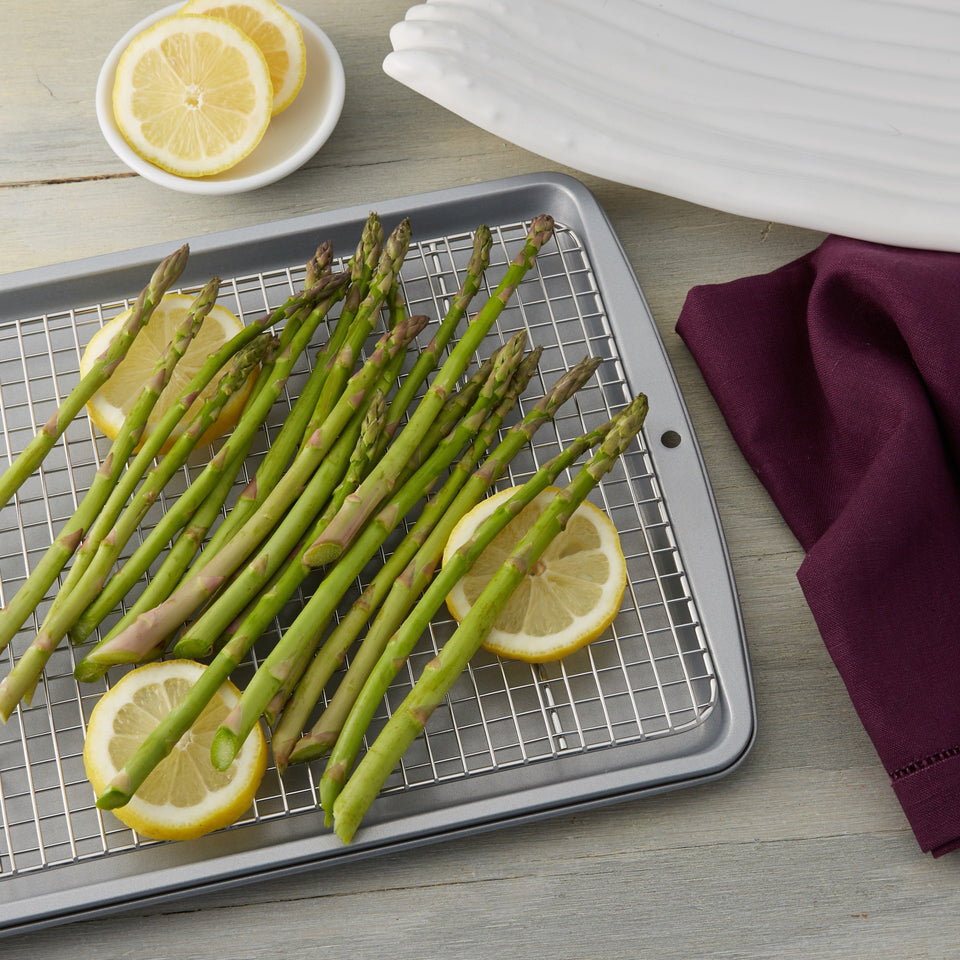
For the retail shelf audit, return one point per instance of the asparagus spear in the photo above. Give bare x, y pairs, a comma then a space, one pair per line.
161, 584
105, 654
227, 459
430, 357
453, 410
159, 743
88, 579
73, 598
408, 721
361, 267
155, 624
343, 362
36, 450
272, 600
295, 423
349, 725
382, 478
364, 454
326, 385
333, 652
113, 528
199, 638
104, 490
290, 313
318, 266
283, 585
410, 569
334, 648
275, 667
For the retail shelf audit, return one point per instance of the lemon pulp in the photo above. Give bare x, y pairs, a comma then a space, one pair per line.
108, 407
192, 95
184, 796
569, 598
275, 32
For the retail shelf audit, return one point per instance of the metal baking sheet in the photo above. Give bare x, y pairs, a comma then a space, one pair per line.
663, 700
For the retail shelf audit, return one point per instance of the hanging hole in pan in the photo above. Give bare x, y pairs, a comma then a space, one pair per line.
670, 439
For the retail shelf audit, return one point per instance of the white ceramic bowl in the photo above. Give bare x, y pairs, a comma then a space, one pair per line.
292, 137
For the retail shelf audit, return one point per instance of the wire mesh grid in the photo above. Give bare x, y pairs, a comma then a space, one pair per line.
649, 676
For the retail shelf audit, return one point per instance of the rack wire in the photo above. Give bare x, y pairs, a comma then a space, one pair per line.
648, 677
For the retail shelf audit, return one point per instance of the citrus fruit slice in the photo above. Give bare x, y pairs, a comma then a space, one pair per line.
185, 796
111, 403
274, 31
569, 598
192, 95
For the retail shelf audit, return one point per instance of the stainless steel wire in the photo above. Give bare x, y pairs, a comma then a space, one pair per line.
650, 676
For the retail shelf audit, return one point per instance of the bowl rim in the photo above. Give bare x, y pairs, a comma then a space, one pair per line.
334, 77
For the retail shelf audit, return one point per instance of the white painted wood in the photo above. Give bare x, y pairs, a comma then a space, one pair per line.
801, 853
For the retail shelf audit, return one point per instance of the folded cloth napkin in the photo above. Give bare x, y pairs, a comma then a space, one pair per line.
839, 377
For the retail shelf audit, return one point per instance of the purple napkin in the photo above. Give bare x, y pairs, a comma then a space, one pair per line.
839, 377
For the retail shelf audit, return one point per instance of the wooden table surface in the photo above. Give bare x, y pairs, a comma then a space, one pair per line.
801, 852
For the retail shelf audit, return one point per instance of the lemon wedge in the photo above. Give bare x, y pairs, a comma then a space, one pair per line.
192, 95
569, 598
274, 31
108, 407
185, 796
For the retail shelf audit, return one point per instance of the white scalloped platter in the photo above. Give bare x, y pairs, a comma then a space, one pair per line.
837, 115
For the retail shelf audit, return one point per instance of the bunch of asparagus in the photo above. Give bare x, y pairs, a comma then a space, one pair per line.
367, 453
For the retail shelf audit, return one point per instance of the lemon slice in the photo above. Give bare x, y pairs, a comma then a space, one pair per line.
571, 595
185, 796
274, 31
111, 403
192, 95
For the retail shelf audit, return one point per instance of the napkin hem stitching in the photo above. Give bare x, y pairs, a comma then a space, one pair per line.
929, 761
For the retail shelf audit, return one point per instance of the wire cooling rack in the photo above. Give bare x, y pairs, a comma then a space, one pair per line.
651, 677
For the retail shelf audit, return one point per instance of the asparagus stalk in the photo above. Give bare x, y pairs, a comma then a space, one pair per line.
408, 721
382, 478
318, 266
200, 637
88, 578
427, 362
113, 528
361, 267
273, 377
354, 447
453, 410
290, 311
333, 652
75, 594
411, 568
364, 454
104, 491
36, 450
160, 586
344, 361
283, 585
356, 718
198, 641
294, 427
276, 666
159, 743
326, 384
334, 648
275, 460
155, 624
272, 600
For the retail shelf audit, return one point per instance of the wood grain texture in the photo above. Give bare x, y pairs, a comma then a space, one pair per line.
802, 852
